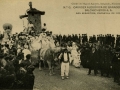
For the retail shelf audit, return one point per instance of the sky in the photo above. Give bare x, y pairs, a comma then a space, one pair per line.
58, 19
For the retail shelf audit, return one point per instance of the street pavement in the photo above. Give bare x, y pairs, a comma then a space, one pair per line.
78, 80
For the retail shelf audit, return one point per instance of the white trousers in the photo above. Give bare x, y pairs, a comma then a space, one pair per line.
64, 69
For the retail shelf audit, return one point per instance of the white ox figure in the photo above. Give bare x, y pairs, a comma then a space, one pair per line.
45, 44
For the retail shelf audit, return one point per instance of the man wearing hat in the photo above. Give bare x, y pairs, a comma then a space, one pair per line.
29, 76
43, 34
113, 41
64, 57
9, 75
106, 61
116, 66
93, 61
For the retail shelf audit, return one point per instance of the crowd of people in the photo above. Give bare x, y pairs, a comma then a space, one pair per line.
103, 39
100, 53
16, 67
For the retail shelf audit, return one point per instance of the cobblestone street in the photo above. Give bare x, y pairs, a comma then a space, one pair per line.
79, 80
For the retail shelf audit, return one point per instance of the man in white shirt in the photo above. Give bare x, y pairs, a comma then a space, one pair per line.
64, 57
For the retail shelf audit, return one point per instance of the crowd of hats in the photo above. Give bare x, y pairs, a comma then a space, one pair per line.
85, 41
48, 33
82, 41
9, 63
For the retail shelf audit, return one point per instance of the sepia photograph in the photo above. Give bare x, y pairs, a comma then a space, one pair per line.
59, 45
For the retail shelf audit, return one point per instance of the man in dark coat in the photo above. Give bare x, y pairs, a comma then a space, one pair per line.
25, 77
17, 62
2, 71
116, 66
98, 57
112, 41
93, 61
9, 76
29, 80
85, 54
106, 62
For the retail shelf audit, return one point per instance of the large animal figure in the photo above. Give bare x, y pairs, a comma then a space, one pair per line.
46, 46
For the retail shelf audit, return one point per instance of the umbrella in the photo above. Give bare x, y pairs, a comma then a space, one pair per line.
7, 26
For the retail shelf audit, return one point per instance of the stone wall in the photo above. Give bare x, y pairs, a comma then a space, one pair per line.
35, 19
